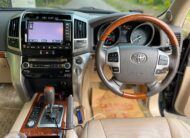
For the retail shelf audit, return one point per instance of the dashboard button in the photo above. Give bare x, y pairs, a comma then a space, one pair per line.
25, 65
78, 71
31, 123
79, 60
67, 65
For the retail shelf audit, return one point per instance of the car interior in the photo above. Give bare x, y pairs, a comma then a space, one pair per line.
94, 73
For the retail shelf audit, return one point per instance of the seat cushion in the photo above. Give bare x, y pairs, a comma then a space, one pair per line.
136, 128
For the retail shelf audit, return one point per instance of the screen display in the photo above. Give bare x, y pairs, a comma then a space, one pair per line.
45, 32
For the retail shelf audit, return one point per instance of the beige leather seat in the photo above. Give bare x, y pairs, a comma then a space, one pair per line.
137, 128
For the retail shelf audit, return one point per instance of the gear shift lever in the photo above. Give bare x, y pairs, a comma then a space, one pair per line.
49, 95
52, 115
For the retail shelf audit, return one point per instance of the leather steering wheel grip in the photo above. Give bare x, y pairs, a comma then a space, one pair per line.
175, 54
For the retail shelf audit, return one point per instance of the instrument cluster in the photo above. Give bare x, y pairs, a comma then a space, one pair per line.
137, 33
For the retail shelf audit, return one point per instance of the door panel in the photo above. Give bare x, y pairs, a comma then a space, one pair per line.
182, 104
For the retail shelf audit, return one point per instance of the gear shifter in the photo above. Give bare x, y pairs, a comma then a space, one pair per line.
49, 95
52, 115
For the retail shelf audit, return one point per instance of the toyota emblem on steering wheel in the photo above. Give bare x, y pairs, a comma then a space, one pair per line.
139, 58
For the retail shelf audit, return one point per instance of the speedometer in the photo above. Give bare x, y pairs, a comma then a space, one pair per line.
112, 37
143, 34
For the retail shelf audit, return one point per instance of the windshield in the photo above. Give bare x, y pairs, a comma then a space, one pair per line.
151, 7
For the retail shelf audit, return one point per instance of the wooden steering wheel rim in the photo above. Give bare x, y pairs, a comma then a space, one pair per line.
139, 17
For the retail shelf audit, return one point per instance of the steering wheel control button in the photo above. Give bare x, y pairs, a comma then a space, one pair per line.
158, 71
161, 71
162, 57
115, 69
163, 60
113, 57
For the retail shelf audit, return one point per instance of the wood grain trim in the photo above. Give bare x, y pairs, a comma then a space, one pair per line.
2, 54
140, 17
135, 96
42, 132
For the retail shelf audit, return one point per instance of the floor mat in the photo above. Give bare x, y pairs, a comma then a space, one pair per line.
105, 104
10, 106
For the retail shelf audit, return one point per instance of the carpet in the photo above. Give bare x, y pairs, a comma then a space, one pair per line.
10, 106
105, 104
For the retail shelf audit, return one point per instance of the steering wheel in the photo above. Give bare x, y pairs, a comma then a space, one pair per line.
137, 64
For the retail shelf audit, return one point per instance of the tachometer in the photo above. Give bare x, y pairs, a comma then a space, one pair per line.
143, 34
112, 37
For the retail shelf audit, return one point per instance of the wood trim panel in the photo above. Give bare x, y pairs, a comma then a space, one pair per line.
2, 54
135, 96
42, 132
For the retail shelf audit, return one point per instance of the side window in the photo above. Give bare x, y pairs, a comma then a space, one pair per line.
4, 3
186, 26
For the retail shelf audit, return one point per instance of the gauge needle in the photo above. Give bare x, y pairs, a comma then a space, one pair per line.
139, 37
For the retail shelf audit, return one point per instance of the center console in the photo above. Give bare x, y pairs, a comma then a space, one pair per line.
46, 47
47, 53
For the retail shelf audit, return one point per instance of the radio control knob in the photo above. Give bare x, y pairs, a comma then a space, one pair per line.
25, 65
67, 65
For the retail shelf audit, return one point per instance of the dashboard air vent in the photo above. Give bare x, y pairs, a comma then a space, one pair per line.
14, 27
79, 29
178, 36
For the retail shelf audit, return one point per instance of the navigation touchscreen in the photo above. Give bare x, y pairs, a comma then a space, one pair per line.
45, 32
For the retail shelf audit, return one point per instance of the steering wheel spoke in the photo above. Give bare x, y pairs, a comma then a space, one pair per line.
173, 57
153, 88
118, 83
163, 48
117, 86
102, 56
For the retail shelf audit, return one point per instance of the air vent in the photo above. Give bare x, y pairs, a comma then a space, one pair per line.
178, 36
80, 29
14, 27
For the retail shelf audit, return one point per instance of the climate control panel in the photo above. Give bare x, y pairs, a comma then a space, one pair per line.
43, 67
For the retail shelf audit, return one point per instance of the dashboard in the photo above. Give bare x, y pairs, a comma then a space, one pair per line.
53, 47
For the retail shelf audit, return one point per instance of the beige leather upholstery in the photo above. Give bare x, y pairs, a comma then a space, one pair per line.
137, 128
